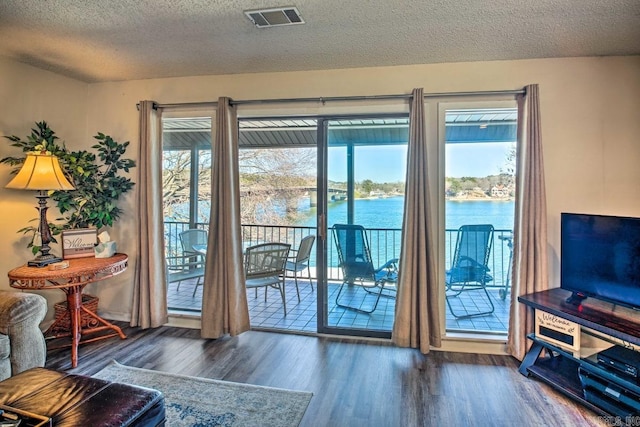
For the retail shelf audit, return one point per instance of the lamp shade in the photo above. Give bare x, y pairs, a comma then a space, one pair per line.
40, 172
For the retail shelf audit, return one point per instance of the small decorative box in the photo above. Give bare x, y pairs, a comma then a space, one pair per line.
105, 250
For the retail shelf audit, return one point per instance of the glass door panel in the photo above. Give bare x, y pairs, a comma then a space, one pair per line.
365, 180
186, 188
480, 149
278, 202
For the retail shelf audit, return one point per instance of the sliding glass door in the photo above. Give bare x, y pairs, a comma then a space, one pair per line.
298, 178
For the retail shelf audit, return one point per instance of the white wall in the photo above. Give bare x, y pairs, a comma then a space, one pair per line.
590, 128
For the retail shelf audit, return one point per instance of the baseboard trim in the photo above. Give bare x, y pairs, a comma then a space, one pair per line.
473, 343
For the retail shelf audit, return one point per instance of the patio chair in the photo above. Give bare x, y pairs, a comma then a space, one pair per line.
181, 268
300, 261
190, 264
357, 267
469, 269
191, 237
264, 267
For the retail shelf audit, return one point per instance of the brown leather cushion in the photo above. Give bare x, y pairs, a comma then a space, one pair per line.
76, 400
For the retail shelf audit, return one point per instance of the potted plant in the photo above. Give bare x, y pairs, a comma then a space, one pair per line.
97, 179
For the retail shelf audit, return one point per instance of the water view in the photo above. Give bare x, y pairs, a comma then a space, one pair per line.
387, 213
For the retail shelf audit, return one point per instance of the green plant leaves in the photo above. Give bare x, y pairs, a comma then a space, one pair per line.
97, 179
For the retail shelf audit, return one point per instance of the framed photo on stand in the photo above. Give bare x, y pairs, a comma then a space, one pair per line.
79, 243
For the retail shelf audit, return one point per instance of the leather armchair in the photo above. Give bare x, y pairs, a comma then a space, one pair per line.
22, 344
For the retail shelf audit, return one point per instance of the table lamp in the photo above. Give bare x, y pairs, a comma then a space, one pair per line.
41, 172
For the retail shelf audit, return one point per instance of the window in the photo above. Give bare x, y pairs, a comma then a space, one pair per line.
479, 192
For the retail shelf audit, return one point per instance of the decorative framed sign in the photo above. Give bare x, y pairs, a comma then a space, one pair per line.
556, 330
79, 243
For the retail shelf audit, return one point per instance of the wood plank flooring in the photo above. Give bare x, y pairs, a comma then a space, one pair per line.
355, 383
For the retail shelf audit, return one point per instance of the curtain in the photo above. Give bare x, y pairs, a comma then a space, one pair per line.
417, 318
149, 290
530, 228
224, 300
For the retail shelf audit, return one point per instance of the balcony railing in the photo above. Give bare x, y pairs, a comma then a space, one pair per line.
384, 244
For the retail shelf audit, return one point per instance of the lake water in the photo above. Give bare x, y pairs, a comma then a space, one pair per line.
387, 213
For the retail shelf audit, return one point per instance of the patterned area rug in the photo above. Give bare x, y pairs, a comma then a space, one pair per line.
191, 401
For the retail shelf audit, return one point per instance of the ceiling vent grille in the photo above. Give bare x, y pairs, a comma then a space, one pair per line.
275, 17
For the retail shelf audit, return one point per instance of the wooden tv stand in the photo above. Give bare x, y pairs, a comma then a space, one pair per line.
600, 322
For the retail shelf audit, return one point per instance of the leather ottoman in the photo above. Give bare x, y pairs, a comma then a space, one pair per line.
76, 400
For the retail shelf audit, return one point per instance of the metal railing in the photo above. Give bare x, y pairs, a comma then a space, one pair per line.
384, 244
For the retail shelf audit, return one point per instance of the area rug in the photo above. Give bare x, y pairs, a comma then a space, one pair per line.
199, 402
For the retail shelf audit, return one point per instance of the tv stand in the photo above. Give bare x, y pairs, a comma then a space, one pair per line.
578, 374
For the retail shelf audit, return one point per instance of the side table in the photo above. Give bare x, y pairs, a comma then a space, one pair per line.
71, 281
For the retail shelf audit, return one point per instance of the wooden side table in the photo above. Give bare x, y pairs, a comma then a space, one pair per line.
72, 281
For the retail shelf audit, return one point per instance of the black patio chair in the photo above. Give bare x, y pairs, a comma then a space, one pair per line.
357, 267
469, 269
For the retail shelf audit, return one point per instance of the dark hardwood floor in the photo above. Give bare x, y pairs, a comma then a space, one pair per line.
354, 383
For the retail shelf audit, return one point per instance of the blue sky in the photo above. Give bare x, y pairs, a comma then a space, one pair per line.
388, 163
379, 164
477, 160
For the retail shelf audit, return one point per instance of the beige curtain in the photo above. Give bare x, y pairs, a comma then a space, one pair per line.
224, 300
149, 290
417, 318
530, 229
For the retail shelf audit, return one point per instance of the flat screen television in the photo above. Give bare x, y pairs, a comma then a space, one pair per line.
600, 258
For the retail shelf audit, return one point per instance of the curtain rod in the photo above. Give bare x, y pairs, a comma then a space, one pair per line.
377, 97
343, 98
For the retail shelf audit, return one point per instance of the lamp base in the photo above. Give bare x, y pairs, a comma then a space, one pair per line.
43, 261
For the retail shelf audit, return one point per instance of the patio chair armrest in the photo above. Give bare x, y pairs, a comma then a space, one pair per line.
472, 263
182, 262
183, 256
391, 264
185, 266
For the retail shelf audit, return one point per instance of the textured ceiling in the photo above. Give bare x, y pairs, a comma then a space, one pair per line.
110, 40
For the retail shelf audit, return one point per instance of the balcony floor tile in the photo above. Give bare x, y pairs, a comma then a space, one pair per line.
301, 316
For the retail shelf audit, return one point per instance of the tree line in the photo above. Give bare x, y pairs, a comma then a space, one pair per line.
274, 182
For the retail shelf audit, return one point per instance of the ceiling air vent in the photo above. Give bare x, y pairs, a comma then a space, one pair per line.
275, 17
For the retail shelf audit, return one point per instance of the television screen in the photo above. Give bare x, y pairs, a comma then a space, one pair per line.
600, 257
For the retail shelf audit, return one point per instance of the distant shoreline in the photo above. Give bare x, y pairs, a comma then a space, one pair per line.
447, 199
450, 199
480, 199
